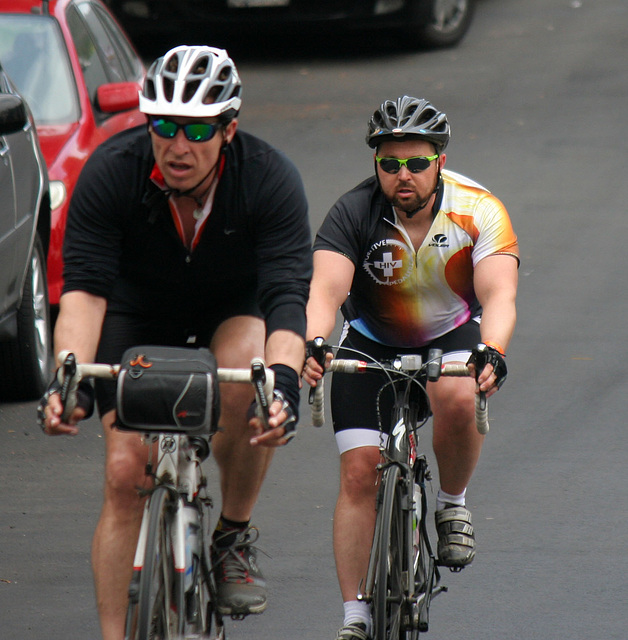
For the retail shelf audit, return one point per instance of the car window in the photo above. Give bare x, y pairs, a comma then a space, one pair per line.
33, 53
93, 69
129, 63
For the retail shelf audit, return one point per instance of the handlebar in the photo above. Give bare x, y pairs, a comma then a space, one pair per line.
449, 369
70, 373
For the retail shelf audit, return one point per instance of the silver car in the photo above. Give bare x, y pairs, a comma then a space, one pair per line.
25, 326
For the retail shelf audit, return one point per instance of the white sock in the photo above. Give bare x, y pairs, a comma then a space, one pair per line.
444, 498
357, 611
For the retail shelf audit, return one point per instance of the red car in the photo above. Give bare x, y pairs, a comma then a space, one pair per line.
80, 77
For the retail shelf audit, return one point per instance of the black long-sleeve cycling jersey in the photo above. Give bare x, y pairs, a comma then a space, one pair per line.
121, 242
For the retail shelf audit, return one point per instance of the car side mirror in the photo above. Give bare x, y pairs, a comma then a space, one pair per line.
118, 96
13, 114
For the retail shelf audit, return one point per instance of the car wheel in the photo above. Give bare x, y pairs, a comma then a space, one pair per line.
439, 23
25, 364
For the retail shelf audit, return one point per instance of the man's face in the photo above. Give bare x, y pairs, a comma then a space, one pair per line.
184, 163
406, 190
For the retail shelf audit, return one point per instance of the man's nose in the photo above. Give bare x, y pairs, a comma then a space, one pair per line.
180, 141
404, 173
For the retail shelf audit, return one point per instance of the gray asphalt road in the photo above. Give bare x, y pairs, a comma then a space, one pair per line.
536, 95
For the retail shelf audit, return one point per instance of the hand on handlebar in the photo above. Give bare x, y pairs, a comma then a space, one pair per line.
275, 425
67, 400
489, 368
50, 410
318, 357
280, 429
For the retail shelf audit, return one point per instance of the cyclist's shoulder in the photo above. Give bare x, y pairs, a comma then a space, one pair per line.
259, 169
361, 202
467, 197
249, 148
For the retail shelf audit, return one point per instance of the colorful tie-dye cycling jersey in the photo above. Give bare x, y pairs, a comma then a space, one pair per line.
402, 297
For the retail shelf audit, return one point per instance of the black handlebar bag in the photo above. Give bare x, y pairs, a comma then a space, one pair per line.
168, 389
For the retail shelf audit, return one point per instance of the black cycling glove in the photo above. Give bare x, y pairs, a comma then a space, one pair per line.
287, 391
483, 355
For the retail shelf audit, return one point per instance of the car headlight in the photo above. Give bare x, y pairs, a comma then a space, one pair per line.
58, 194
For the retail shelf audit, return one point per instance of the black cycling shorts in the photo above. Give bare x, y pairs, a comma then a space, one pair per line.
122, 331
354, 396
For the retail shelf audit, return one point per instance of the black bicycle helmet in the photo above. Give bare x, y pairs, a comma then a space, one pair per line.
408, 117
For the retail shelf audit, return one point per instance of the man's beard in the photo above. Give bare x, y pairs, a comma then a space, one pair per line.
411, 206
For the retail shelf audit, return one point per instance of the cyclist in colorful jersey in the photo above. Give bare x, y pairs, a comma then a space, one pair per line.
188, 233
417, 257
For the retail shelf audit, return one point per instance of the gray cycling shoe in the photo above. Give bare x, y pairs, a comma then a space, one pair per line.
456, 541
353, 631
240, 584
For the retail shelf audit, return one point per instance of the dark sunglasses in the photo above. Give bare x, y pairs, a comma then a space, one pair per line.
194, 132
413, 165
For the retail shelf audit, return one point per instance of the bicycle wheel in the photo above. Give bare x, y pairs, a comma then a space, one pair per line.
390, 607
160, 603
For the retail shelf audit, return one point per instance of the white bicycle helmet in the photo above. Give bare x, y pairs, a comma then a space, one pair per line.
192, 82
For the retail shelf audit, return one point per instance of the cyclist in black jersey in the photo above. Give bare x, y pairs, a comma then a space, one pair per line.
188, 233
429, 259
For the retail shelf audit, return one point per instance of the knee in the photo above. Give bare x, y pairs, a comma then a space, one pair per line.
456, 407
358, 479
124, 475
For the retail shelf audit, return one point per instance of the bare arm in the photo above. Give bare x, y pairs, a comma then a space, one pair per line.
78, 330
331, 283
495, 281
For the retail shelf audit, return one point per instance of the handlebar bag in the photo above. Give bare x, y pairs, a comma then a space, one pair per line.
168, 389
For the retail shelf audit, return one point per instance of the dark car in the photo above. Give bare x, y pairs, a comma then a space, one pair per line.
419, 23
25, 333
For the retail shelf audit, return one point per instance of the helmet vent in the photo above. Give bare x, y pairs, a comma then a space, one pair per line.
168, 89
200, 67
225, 74
149, 89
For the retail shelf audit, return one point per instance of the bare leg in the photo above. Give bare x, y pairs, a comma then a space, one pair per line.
242, 467
457, 443
116, 534
354, 518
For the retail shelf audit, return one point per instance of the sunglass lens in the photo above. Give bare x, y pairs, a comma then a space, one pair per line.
416, 165
199, 132
164, 128
390, 165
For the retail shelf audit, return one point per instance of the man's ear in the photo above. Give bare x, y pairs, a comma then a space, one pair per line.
230, 130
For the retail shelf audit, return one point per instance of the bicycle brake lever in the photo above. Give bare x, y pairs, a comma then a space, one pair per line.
318, 352
69, 383
258, 378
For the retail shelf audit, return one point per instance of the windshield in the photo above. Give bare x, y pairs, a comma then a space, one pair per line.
33, 53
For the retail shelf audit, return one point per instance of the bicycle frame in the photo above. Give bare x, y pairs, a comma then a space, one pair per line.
178, 468
410, 474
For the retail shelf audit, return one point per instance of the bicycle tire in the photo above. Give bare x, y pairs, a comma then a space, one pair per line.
160, 604
389, 602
